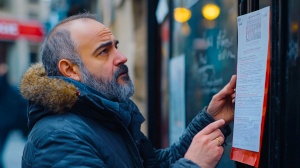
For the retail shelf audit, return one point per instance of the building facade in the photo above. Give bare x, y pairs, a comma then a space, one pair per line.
21, 33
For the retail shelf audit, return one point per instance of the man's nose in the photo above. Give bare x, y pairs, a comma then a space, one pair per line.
120, 58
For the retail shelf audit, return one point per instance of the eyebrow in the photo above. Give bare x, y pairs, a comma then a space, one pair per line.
105, 44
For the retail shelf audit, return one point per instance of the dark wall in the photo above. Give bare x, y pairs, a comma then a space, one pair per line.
280, 147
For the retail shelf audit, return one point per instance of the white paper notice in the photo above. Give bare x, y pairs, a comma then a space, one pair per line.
253, 38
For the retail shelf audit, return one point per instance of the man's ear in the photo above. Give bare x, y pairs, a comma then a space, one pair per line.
68, 69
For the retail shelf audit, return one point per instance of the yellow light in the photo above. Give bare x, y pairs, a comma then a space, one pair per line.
210, 11
295, 27
182, 14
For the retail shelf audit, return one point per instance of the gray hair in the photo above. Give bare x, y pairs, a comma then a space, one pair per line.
59, 45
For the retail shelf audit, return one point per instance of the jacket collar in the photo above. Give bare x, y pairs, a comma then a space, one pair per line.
49, 95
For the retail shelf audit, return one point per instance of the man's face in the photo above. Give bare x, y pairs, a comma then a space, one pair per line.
104, 68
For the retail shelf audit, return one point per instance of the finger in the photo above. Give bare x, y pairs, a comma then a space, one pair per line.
212, 127
219, 141
233, 97
228, 89
215, 134
232, 82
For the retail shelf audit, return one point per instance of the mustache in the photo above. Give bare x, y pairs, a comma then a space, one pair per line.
121, 70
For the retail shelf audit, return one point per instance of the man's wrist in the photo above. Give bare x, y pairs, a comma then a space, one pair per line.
208, 114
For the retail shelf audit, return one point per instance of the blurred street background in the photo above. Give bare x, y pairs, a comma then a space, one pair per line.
13, 150
23, 27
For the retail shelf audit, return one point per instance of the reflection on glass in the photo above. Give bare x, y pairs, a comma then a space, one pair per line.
210, 11
210, 50
182, 15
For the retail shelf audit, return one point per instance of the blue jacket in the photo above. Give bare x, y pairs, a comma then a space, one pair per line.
73, 125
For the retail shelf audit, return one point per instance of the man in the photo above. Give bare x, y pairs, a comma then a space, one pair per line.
80, 114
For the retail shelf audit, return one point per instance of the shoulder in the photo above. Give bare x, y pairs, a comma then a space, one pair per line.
63, 140
67, 124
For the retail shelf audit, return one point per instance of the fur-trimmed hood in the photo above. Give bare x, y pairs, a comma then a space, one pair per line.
56, 94
50, 95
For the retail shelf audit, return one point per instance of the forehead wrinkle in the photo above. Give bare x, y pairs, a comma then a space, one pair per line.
104, 35
92, 33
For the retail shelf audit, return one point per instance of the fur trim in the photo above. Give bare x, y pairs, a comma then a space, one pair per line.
55, 94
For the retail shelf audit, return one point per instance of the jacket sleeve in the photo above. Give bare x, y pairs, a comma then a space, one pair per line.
173, 156
60, 149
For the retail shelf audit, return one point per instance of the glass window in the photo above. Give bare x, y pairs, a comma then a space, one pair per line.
208, 41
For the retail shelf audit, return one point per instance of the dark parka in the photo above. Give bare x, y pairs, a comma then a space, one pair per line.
73, 125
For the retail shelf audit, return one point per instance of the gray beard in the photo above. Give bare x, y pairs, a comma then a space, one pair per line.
110, 88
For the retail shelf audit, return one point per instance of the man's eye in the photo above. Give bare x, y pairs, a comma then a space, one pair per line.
103, 52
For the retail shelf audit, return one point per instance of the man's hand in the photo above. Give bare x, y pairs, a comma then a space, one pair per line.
206, 148
222, 104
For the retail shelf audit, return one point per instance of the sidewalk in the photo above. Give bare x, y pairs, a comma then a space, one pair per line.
13, 150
